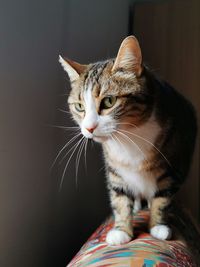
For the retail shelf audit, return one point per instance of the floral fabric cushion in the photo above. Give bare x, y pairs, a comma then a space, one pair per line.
142, 251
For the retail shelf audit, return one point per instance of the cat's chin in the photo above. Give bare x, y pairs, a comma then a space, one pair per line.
100, 139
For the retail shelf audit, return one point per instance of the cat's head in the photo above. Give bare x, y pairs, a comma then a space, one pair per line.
109, 95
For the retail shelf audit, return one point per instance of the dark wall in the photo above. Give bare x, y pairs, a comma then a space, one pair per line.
31, 35
40, 225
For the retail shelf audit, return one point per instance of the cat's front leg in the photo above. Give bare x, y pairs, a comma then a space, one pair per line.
159, 227
137, 205
122, 207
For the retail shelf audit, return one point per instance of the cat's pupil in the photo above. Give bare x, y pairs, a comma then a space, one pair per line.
79, 107
108, 102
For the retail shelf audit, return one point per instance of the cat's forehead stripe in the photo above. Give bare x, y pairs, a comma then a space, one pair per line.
94, 73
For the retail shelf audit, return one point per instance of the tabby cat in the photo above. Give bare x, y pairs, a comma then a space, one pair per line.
147, 131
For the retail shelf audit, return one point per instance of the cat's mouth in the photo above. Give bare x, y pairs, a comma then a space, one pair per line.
98, 135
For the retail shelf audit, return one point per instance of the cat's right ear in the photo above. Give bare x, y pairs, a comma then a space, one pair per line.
129, 56
72, 68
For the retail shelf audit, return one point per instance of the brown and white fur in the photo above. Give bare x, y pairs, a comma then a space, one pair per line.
146, 128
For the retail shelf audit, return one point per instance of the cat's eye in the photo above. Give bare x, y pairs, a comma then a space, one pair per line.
108, 102
79, 107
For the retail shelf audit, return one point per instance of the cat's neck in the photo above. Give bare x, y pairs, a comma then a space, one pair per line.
129, 142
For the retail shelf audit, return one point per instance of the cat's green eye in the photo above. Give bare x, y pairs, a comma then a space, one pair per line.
79, 107
108, 102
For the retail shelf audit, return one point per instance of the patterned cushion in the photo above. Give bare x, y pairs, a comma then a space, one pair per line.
143, 251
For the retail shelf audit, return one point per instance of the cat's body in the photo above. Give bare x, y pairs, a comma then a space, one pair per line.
147, 131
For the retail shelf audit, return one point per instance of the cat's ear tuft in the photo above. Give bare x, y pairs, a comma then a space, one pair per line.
72, 68
129, 56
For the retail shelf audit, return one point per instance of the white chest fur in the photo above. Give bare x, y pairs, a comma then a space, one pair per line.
127, 151
142, 184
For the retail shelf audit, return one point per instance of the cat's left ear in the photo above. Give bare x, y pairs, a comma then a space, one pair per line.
129, 56
72, 68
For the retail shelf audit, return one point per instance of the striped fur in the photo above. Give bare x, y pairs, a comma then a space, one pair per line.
148, 134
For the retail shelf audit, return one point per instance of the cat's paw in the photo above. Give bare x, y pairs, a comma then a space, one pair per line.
117, 237
161, 231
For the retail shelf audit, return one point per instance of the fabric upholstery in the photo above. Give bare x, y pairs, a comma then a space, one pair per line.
142, 251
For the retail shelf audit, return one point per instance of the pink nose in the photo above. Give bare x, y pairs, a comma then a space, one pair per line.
91, 130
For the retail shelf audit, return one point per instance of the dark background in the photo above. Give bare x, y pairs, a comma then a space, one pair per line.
40, 225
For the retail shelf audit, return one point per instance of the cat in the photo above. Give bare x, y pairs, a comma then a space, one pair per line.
147, 131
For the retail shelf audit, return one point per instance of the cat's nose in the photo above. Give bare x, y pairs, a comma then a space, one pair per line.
91, 129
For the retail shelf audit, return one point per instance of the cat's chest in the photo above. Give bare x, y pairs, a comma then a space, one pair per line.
128, 156
140, 183
128, 163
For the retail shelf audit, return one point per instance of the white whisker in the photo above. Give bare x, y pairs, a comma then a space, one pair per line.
64, 111
85, 154
78, 158
126, 123
63, 175
68, 152
150, 144
118, 139
132, 143
65, 146
112, 136
64, 127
